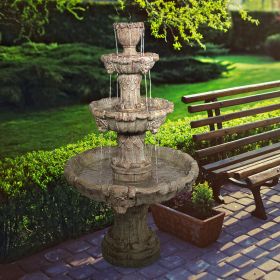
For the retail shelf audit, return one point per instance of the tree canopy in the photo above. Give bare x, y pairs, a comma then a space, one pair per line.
32, 15
183, 19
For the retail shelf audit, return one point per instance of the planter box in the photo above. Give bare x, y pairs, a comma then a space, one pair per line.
199, 232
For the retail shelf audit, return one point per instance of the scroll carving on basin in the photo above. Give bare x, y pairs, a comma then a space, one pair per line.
132, 175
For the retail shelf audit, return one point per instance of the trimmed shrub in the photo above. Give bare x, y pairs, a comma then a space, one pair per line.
41, 76
40, 218
272, 45
38, 208
245, 37
183, 69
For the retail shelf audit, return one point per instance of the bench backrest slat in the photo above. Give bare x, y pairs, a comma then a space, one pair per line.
220, 139
235, 115
228, 92
274, 134
235, 129
233, 102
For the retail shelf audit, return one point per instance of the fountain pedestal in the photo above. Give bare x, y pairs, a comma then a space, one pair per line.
131, 177
130, 242
132, 164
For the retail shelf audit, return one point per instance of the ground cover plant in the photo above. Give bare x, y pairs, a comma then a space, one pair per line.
61, 75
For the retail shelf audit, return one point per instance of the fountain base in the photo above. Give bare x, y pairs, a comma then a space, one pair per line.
133, 175
130, 242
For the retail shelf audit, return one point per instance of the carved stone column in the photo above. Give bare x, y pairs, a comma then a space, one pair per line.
130, 242
130, 91
132, 163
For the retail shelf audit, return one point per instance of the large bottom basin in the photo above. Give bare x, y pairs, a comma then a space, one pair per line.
91, 173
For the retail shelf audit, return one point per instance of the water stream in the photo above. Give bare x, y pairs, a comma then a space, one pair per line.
150, 85
146, 91
116, 42
110, 89
117, 85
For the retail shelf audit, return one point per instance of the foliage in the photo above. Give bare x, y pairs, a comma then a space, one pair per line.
72, 73
38, 169
40, 76
31, 16
213, 50
182, 69
41, 218
245, 37
272, 45
183, 19
202, 199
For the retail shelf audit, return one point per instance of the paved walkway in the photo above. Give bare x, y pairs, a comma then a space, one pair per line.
248, 248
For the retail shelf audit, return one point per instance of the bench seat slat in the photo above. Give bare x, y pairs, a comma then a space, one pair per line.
232, 102
235, 115
235, 129
228, 169
274, 134
228, 92
239, 158
264, 176
257, 167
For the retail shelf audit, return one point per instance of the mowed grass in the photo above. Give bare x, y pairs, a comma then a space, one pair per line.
23, 132
246, 70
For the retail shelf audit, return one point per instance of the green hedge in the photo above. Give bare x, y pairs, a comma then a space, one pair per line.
183, 69
39, 75
251, 38
38, 208
272, 45
96, 29
35, 76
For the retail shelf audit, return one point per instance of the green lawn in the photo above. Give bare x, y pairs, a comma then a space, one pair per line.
23, 132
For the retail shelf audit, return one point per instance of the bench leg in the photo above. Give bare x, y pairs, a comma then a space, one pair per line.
216, 187
259, 212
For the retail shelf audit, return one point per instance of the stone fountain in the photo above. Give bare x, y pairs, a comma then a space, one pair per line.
132, 175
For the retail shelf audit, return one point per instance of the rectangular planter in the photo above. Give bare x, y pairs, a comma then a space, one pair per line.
199, 232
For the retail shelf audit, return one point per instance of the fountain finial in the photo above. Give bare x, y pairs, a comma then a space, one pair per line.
129, 35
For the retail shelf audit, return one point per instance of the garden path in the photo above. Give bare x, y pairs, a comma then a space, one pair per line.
248, 248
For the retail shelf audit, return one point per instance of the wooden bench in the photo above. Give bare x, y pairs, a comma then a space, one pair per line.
221, 151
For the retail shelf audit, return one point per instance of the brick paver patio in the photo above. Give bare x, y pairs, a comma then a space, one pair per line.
248, 248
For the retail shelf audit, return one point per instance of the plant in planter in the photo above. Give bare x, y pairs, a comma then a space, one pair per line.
190, 216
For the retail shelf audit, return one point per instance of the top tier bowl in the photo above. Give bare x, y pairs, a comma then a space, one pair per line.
129, 35
129, 61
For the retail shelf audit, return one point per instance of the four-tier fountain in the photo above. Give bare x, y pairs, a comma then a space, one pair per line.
132, 175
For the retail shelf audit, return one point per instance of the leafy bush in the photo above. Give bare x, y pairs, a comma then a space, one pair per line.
39, 75
38, 208
212, 50
244, 37
202, 199
272, 45
183, 69
39, 218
